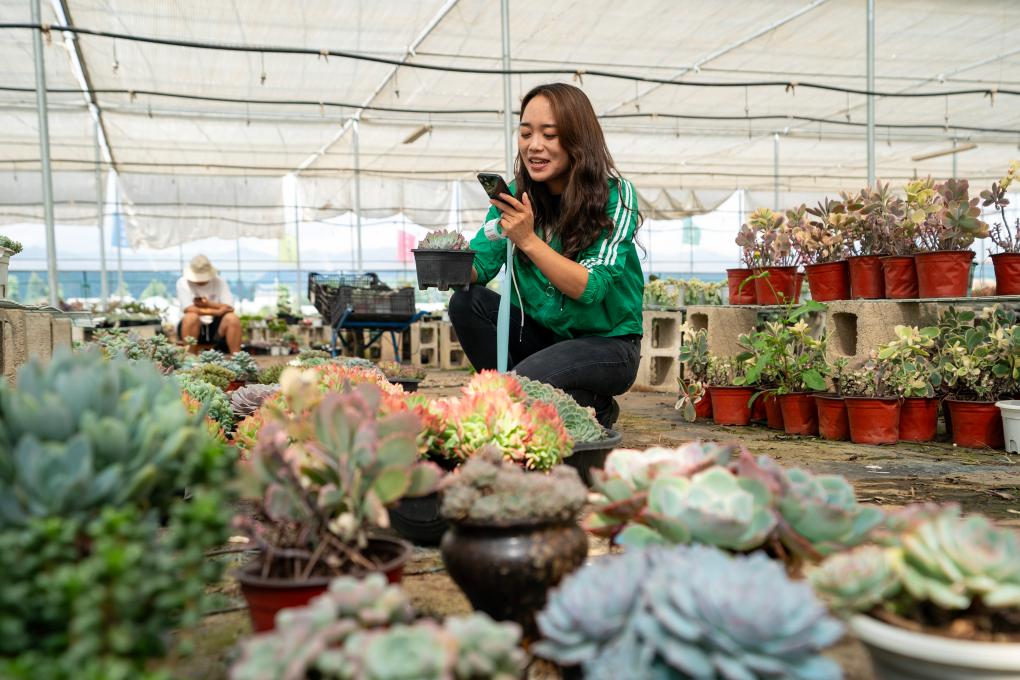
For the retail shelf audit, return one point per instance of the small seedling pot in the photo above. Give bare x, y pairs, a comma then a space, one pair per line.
443, 269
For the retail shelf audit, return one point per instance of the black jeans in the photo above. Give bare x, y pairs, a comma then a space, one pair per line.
590, 369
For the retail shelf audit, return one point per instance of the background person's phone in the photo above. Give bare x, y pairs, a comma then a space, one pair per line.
493, 184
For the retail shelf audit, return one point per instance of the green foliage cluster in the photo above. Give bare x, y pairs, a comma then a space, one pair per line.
101, 554
212, 397
10, 244
158, 349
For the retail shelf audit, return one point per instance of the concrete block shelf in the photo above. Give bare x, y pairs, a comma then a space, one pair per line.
425, 344
451, 354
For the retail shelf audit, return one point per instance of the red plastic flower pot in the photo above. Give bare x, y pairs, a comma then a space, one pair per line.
976, 424
900, 277
267, 596
943, 273
729, 405
781, 285
829, 281
747, 296
832, 419
919, 419
759, 414
866, 280
703, 409
774, 412
800, 416
873, 420
1007, 273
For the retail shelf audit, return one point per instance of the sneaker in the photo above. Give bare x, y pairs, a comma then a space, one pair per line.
610, 417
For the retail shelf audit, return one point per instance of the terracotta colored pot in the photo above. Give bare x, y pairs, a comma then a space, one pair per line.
832, 419
774, 412
800, 416
873, 420
780, 286
943, 273
1007, 273
919, 419
729, 405
976, 424
747, 296
866, 280
900, 277
506, 570
759, 414
703, 409
829, 281
267, 596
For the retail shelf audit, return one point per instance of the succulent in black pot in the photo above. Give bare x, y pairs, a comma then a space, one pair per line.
513, 534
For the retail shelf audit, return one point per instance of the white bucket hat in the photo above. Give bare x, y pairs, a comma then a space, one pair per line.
200, 270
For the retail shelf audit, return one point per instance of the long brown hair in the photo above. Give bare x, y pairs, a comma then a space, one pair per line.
582, 217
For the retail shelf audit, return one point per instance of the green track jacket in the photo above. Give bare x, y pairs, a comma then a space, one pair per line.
612, 301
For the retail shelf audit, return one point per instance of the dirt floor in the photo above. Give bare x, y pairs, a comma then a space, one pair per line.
981, 481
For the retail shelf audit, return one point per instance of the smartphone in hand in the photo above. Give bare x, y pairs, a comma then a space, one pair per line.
493, 184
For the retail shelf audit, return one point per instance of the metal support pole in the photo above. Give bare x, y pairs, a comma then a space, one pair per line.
119, 221
503, 318
775, 172
297, 244
871, 97
954, 155
44, 152
357, 188
104, 289
237, 256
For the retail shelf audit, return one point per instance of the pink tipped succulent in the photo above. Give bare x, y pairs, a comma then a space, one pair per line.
486, 382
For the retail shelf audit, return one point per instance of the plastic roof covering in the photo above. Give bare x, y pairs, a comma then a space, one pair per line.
191, 168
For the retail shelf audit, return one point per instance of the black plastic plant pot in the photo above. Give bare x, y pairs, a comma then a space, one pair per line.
443, 269
408, 384
591, 455
418, 519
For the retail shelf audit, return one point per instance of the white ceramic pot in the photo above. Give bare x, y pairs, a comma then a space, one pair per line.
1011, 423
900, 654
5, 261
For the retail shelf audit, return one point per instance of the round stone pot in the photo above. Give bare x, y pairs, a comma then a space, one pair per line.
505, 570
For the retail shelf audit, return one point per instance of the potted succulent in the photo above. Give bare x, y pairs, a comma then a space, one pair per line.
406, 376
788, 349
8, 248
885, 216
863, 244
512, 535
103, 558
833, 423
324, 475
872, 404
980, 364
700, 493
731, 398
939, 598
822, 249
443, 259
687, 612
1007, 260
366, 628
946, 221
663, 294
768, 236
739, 286
694, 401
909, 365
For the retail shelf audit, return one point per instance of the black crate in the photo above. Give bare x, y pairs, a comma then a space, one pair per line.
364, 295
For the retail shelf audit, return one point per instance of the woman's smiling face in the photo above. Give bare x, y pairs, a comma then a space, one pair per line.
539, 145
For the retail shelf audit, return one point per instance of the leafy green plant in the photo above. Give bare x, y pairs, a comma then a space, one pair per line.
489, 489
158, 349
935, 567
695, 358
101, 555
785, 352
10, 244
951, 218
325, 473
271, 374
634, 616
365, 629
908, 362
1008, 241
214, 374
883, 214
444, 240
665, 293
215, 400
767, 240
979, 353
240, 363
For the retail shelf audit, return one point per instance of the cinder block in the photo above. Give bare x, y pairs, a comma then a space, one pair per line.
658, 372
724, 324
661, 331
451, 354
61, 332
855, 327
425, 344
39, 330
15, 340
660, 347
8, 364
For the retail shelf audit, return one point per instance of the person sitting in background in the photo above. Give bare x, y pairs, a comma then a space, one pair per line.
207, 305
